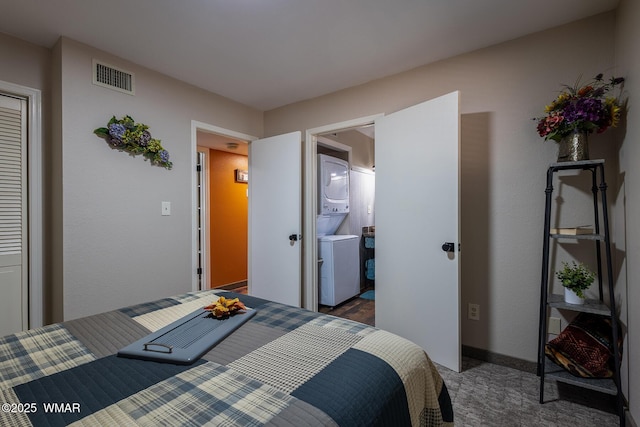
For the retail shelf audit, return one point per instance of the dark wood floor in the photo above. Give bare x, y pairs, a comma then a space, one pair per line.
357, 309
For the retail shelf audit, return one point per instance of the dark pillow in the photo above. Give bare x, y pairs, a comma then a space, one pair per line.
584, 347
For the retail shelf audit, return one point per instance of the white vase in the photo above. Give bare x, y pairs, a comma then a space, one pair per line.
570, 297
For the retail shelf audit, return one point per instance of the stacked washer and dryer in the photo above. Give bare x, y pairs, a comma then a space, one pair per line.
339, 271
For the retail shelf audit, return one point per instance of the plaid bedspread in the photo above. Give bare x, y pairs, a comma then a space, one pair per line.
285, 367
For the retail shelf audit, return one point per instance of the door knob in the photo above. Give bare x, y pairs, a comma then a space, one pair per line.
448, 247
293, 238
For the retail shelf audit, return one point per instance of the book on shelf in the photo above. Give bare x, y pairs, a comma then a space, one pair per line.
573, 231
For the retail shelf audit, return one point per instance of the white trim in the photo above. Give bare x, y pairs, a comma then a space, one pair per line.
34, 152
310, 207
220, 131
310, 202
195, 126
349, 124
204, 223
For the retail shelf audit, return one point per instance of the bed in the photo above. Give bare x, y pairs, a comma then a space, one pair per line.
284, 367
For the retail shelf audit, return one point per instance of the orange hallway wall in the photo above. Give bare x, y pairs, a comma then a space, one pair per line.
228, 212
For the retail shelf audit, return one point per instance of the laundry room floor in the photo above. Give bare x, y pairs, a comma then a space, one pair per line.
358, 309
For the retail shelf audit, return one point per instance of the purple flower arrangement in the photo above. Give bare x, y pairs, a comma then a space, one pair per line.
127, 135
582, 108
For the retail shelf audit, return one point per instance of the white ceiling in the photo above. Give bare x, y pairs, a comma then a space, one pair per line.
269, 53
222, 143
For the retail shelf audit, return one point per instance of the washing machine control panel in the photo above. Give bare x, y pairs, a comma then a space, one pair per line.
333, 208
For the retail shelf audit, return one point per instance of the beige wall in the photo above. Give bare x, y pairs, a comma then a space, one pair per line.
503, 161
115, 246
25, 64
627, 193
362, 147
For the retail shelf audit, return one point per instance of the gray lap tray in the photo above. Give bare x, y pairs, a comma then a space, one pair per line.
187, 339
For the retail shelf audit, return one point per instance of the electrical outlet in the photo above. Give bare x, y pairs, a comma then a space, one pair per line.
474, 312
554, 325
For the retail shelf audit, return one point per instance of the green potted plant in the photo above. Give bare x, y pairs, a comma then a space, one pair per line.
575, 278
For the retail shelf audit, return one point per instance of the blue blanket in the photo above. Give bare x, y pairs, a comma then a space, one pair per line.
286, 366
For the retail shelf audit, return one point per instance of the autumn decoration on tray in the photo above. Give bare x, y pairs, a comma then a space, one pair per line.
225, 307
126, 135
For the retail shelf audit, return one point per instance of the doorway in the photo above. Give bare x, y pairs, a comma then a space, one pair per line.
220, 207
224, 199
14, 249
355, 145
30, 293
315, 138
415, 148
274, 251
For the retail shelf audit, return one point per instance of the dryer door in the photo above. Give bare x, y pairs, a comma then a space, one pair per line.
334, 187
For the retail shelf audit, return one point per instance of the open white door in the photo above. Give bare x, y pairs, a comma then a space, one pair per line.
417, 282
275, 204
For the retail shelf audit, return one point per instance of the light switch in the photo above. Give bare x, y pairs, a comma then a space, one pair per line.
166, 208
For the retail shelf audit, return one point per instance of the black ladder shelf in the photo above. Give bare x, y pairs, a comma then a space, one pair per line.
548, 369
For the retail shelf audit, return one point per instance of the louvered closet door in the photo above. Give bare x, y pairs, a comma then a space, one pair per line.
13, 216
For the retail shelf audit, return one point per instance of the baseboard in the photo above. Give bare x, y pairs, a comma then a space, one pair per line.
499, 359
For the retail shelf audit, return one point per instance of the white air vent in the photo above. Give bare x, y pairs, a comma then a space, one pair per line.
113, 78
